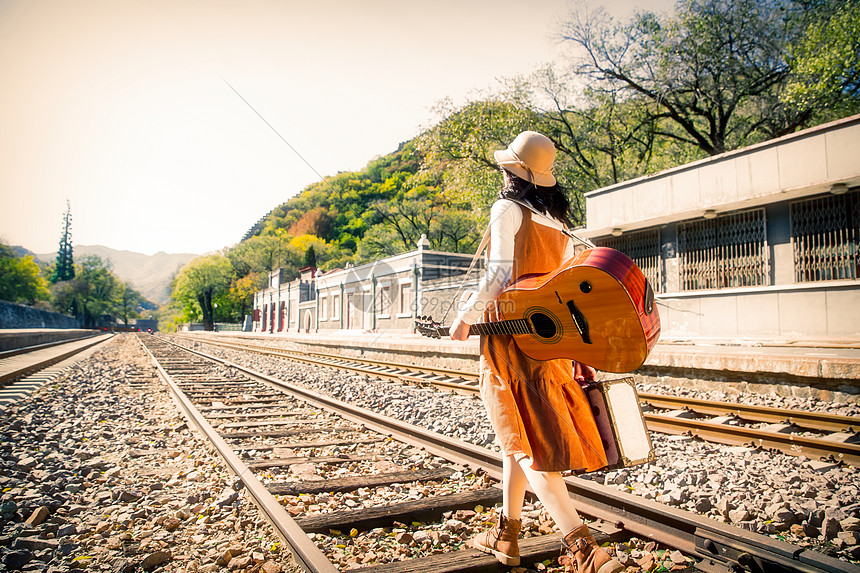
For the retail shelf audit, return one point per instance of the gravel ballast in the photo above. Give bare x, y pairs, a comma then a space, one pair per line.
100, 472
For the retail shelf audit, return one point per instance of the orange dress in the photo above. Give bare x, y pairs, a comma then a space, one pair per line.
536, 407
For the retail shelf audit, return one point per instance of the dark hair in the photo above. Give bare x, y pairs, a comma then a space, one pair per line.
552, 200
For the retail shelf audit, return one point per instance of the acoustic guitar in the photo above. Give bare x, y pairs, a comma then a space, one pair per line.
597, 308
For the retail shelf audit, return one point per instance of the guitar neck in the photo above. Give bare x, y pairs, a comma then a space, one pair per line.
519, 326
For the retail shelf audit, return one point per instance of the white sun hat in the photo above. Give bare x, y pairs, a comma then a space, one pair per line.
530, 157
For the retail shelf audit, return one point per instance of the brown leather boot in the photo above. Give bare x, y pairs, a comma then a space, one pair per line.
582, 554
501, 540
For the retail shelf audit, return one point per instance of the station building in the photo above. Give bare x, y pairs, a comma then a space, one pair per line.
761, 243
386, 295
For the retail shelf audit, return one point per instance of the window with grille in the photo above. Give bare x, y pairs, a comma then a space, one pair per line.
384, 303
728, 251
825, 234
406, 298
643, 247
335, 307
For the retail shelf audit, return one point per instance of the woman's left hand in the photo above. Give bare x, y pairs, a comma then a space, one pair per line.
459, 330
583, 373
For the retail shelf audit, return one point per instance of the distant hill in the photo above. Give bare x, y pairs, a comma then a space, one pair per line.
20, 251
149, 274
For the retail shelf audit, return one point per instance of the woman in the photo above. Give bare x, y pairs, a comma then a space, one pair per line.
538, 410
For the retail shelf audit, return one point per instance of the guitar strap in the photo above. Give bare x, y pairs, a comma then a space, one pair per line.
485, 240
541, 220
553, 224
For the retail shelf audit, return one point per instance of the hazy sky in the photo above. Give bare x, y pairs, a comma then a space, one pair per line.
122, 108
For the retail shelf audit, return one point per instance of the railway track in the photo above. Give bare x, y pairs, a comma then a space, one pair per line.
814, 435
262, 432
269, 431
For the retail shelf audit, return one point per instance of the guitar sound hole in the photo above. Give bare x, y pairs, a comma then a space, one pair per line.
543, 325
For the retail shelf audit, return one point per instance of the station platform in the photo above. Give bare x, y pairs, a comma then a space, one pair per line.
13, 338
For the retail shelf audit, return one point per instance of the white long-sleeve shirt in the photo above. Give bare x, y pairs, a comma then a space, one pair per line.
506, 217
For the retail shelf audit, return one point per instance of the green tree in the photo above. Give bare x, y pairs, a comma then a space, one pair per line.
199, 283
602, 138
454, 230
379, 242
408, 218
64, 269
462, 147
310, 259
657, 91
241, 292
128, 302
826, 64
709, 76
458, 150
20, 278
253, 259
91, 294
262, 254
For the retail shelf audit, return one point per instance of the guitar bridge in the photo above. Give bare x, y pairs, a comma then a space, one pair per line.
579, 321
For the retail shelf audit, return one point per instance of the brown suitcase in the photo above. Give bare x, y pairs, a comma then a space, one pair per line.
622, 428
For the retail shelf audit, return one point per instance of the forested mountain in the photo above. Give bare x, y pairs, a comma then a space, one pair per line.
378, 211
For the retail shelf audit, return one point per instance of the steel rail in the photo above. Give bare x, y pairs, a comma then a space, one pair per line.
722, 548
738, 435
304, 550
810, 420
